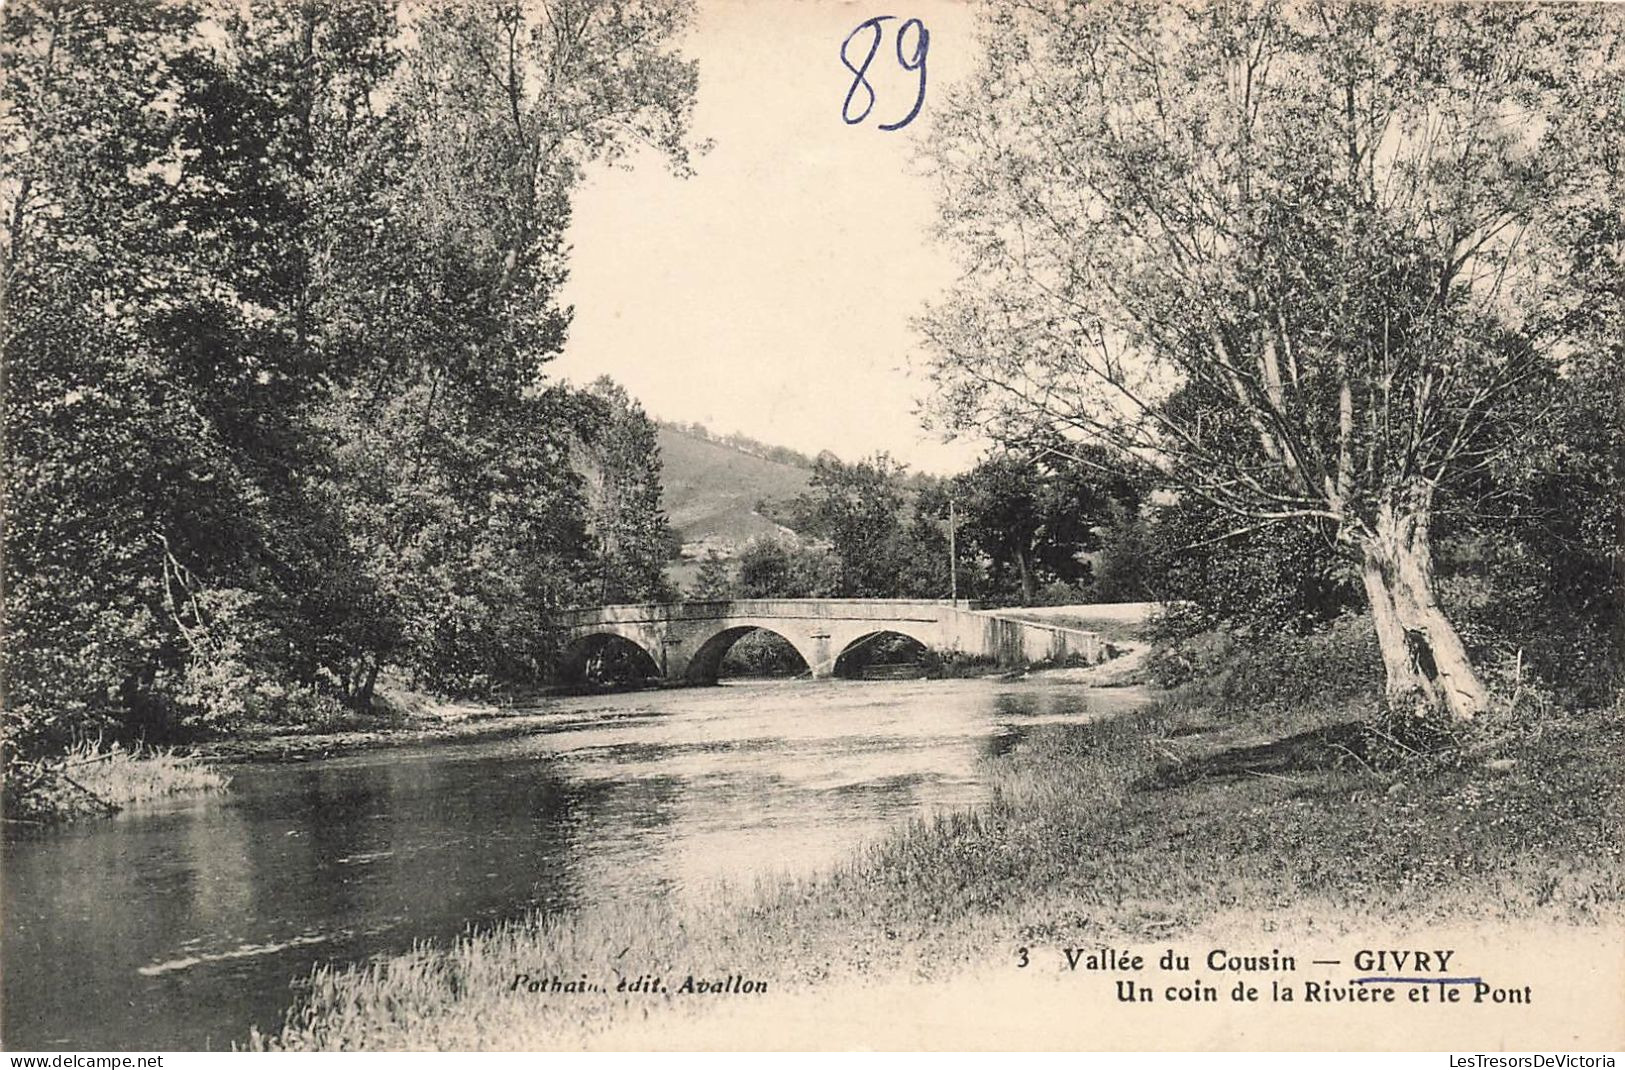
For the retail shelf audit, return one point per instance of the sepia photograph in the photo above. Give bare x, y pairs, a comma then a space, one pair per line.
801, 525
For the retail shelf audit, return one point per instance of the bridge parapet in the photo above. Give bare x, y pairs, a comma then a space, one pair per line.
876, 609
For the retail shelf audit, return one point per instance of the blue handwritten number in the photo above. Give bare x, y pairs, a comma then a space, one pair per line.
916, 62
922, 44
859, 80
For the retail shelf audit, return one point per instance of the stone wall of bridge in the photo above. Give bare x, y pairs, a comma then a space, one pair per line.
686, 641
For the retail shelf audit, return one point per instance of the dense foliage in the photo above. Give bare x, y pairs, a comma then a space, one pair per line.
1327, 265
1028, 528
1036, 516
859, 509
279, 282
620, 461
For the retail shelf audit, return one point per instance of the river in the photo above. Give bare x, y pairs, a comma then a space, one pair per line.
178, 926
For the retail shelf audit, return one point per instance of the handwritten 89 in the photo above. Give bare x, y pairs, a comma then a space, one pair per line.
909, 60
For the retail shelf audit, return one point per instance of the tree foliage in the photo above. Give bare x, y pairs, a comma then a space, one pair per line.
714, 582
1304, 256
620, 461
279, 282
886, 530
857, 508
1036, 518
776, 568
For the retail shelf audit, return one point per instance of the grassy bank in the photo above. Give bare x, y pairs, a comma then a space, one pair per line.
1130, 829
102, 778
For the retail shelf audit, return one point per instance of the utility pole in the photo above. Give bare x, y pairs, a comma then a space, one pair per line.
953, 556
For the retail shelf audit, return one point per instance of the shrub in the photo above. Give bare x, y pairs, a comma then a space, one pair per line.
1282, 576
1526, 625
1233, 667
1063, 594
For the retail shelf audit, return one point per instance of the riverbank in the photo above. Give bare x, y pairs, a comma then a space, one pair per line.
1147, 829
425, 720
94, 778
128, 775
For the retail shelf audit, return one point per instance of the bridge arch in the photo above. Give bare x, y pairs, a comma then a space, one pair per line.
582, 654
705, 664
856, 655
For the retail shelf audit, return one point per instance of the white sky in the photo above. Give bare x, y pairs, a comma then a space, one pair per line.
771, 293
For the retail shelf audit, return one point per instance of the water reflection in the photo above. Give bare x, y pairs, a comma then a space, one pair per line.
177, 927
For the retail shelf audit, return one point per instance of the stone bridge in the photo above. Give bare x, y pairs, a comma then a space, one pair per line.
686, 641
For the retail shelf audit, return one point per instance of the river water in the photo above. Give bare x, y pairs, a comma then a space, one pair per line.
178, 926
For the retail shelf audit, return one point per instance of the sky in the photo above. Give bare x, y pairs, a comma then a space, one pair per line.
771, 293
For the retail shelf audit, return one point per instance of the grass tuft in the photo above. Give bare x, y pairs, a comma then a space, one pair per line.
102, 778
135, 774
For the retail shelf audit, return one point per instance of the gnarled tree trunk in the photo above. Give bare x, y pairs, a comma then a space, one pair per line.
1421, 651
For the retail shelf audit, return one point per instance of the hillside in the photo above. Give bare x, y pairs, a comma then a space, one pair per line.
711, 491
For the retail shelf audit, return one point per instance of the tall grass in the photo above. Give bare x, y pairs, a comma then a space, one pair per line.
95, 777
125, 775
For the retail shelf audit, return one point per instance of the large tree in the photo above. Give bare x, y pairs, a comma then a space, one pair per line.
278, 282
101, 446
619, 458
1304, 256
457, 460
160, 183
858, 508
